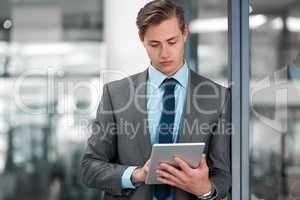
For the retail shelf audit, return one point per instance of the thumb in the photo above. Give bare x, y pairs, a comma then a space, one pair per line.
147, 163
203, 161
146, 166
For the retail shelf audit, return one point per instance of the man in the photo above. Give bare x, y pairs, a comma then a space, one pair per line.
164, 104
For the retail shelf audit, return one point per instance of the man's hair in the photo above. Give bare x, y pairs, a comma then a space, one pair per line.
154, 12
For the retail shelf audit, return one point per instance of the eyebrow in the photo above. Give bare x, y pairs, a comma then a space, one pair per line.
155, 41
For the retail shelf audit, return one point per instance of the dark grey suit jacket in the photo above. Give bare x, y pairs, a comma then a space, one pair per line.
121, 137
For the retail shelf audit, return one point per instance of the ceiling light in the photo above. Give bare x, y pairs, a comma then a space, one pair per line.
221, 24
293, 24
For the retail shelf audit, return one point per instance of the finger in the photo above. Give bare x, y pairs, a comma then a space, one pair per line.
168, 176
172, 170
183, 164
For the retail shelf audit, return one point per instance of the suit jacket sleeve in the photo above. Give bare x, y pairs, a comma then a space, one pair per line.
99, 165
219, 160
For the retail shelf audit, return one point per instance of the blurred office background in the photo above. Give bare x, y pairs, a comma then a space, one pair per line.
55, 56
275, 93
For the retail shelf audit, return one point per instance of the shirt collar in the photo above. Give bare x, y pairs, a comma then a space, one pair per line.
156, 77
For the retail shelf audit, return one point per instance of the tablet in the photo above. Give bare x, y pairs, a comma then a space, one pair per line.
190, 152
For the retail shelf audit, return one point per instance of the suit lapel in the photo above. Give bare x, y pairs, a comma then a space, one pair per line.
190, 111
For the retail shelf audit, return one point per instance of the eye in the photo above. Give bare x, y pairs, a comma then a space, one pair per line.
154, 45
172, 42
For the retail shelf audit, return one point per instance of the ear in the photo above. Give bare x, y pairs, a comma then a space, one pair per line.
185, 32
141, 38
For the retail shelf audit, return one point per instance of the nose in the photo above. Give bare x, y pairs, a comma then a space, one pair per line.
164, 53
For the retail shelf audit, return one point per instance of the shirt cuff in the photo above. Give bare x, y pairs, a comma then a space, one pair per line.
126, 178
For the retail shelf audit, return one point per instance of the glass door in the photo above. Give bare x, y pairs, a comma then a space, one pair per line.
275, 100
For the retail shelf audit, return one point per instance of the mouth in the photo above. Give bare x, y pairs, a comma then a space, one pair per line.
164, 63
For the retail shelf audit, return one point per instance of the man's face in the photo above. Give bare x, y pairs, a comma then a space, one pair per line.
164, 44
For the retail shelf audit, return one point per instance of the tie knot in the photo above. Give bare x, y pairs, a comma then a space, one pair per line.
169, 83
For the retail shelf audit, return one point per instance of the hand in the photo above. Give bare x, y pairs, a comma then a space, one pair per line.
140, 173
192, 180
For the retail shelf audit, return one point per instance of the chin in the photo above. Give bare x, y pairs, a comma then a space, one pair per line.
168, 72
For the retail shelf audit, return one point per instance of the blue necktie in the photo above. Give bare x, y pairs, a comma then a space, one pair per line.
165, 128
